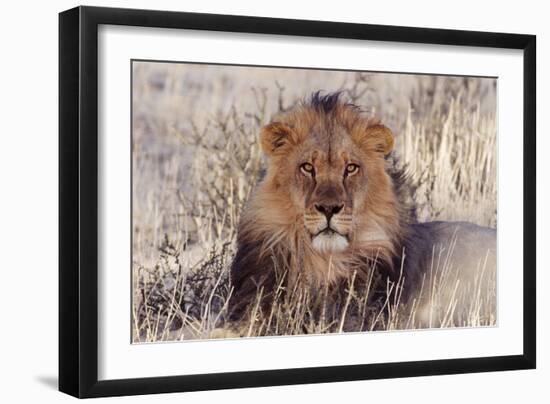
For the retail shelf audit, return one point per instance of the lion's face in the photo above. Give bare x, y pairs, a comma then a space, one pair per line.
329, 182
332, 169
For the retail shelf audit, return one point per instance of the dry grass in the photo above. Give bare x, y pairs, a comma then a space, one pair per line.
196, 159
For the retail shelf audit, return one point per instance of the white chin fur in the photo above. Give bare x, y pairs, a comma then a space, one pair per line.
327, 243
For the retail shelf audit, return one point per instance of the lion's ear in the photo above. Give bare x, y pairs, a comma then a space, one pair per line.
376, 138
276, 138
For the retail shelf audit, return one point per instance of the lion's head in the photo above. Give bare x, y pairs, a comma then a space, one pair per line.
327, 204
329, 161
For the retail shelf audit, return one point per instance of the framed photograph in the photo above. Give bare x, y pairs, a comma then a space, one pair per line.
251, 201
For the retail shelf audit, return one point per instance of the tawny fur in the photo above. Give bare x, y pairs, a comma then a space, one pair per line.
272, 238
333, 206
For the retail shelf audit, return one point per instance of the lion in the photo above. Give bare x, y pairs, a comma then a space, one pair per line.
332, 204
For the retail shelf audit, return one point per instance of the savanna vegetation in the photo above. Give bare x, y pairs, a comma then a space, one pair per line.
196, 159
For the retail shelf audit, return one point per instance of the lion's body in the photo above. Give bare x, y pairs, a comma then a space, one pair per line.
461, 246
333, 206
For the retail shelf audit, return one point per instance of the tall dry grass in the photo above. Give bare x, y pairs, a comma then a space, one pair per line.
196, 160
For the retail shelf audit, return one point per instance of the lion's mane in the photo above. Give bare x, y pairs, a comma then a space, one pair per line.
272, 248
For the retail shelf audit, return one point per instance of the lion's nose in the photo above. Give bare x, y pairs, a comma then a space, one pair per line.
329, 210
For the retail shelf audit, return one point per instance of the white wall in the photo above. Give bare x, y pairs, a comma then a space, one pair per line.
28, 201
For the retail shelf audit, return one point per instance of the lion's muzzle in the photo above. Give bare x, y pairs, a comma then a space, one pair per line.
328, 227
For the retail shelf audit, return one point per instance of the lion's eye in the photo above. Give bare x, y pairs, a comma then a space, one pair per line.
352, 169
307, 168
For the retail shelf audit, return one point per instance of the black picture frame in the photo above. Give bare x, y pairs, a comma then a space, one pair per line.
78, 200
